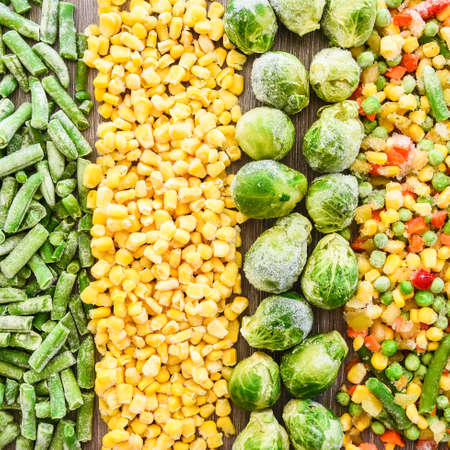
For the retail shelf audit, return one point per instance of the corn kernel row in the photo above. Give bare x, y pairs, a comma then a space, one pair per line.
165, 231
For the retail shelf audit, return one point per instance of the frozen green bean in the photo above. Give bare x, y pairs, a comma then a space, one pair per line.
42, 409
51, 345
16, 323
42, 273
81, 76
11, 371
73, 341
47, 186
65, 187
24, 250
86, 363
49, 21
39, 105
27, 400
54, 61
65, 102
14, 21
67, 34
71, 389
82, 145
61, 139
16, 69
23, 51
4, 339
42, 389
8, 84
6, 108
29, 341
85, 106
56, 162
2, 394
44, 436
85, 417
58, 408
24, 443
78, 314
58, 437
21, 159
62, 293
21, 6
72, 206
8, 434
8, 295
31, 306
18, 358
11, 391
70, 250
10, 125
82, 44
5, 418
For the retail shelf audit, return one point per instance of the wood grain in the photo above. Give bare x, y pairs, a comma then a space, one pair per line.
304, 48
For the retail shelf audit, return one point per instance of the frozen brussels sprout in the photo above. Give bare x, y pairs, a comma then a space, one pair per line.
279, 79
255, 382
251, 25
280, 322
311, 367
331, 273
276, 259
349, 23
331, 201
334, 74
311, 426
267, 189
332, 142
263, 432
299, 16
265, 133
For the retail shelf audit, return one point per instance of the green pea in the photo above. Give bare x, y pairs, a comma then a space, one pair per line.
435, 157
412, 362
442, 402
377, 258
346, 233
408, 84
394, 371
440, 181
380, 132
412, 433
427, 124
446, 228
393, 3
398, 228
380, 240
429, 238
421, 371
426, 145
387, 298
425, 199
343, 398
369, 126
365, 59
389, 347
382, 283
405, 214
437, 285
426, 358
354, 409
378, 428
424, 298
381, 82
431, 29
364, 188
394, 62
440, 304
406, 287
382, 67
371, 105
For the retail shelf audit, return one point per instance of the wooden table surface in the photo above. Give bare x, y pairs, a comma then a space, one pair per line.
304, 48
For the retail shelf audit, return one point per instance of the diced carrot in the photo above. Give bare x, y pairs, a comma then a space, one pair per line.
367, 446
374, 169
410, 62
376, 215
392, 437
358, 245
426, 445
397, 156
351, 363
416, 243
351, 333
403, 19
372, 344
357, 93
438, 219
416, 225
351, 389
445, 239
396, 73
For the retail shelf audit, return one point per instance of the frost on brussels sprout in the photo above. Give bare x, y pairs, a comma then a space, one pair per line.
332, 142
279, 79
331, 201
280, 322
334, 74
263, 432
311, 367
311, 426
275, 260
251, 25
265, 133
331, 274
255, 382
299, 16
267, 189
349, 23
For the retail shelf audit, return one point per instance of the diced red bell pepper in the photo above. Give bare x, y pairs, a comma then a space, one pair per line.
376, 215
397, 156
416, 243
410, 62
351, 389
358, 245
438, 219
430, 8
445, 239
422, 279
416, 225
351, 333
402, 19
426, 445
357, 93
372, 344
351, 363
392, 437
396, 73
374, 169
